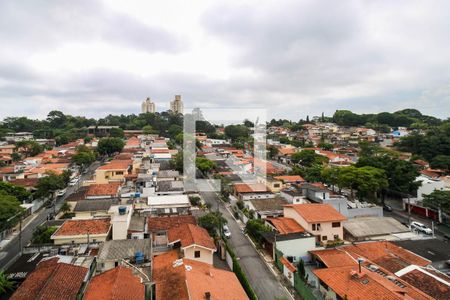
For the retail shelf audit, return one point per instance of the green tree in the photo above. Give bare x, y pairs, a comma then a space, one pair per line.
6, 285
16, 157
9, 207
212, 222
49, 184
116, 132
14, 190
65, 208
57, 119
237, 132
307, 158
255, 227
177, 162
441, 162
272, 151
438, 200
109, 146
42, 234
205, 165
30, 148
325, 146
83, 158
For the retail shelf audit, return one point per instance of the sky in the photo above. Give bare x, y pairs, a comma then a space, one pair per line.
292, 58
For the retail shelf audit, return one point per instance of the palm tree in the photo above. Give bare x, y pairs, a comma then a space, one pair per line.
65, 208
5, 284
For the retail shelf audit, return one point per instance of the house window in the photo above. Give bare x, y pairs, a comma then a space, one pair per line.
336, 237
324, 237
336, 224
316, 226
119, 173
197, 254
276, 185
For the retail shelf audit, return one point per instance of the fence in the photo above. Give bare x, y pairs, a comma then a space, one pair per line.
278, 256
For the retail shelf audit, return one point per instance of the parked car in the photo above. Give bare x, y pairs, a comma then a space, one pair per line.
421, 227
387, 207
74, 181
61, 193
49, 204
226, 231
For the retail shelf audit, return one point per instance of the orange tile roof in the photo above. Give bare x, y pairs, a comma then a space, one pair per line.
116, 165
25, 182
288, 264
290, 178
285, 225
287, 151
383, 253
250, 188
123, 156
317, 212
335, 257
83, 227
189, 234
52, 281
115, 284
348, 283
429, 173
132, 142
165, 223
160, 150
106, 189
192, 279
428, 284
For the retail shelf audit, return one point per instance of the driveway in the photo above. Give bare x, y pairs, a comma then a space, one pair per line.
263, 281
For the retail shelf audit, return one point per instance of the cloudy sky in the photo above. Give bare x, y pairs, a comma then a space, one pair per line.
295, 58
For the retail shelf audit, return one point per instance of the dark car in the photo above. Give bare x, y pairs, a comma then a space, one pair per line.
387, 207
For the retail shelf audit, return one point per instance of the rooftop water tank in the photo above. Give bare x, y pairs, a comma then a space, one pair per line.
122, 210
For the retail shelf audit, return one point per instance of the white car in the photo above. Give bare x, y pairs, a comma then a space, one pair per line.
74, 181
226, 231
421, 227
61, 193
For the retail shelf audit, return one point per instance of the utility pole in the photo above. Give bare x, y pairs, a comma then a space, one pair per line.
409, 210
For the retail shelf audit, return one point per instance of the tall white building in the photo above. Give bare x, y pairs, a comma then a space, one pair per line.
148, 106
176, 106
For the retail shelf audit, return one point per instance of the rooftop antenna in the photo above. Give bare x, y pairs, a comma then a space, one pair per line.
360, 261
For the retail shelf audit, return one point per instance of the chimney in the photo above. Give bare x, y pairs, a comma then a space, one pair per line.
360, 261
207, 295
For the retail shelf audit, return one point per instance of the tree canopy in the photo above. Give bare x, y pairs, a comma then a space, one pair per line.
438, 200
110, 145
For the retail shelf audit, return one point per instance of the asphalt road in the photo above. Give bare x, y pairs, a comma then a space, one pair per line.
263, 281
12, 250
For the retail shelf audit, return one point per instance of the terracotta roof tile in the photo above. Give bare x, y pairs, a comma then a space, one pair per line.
52, 281
288, 264
115, 284
165, 223
250, 188
192, 279
428, 284
335, 258
367, 285
25, 182
116, 165
189, 234
290, 178
285, 225
82, 227
107, 189
317, 212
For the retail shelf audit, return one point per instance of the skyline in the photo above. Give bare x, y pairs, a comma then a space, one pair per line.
95, 58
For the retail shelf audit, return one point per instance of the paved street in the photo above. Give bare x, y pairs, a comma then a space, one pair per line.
12, 250
263, 281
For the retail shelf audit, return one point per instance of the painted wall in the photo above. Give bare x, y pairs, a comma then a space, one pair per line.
297, 248
206, 255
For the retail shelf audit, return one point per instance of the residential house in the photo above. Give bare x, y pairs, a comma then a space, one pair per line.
111, 254
375, 228
82, 231
244, 191
194, 242
169, 205
115, 284
290, 179
290, 238
88, 209
113, 171
265, 208
159, 226
103, 191
321, 220
184, 279
53, 279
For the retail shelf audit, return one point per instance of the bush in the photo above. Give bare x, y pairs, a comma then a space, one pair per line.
42, 234
195, 201
240, 204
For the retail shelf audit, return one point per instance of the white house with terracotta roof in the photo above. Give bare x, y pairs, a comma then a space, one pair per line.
194, 241
82, 231
321, 220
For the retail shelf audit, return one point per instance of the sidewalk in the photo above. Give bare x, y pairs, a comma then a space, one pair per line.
15, 231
